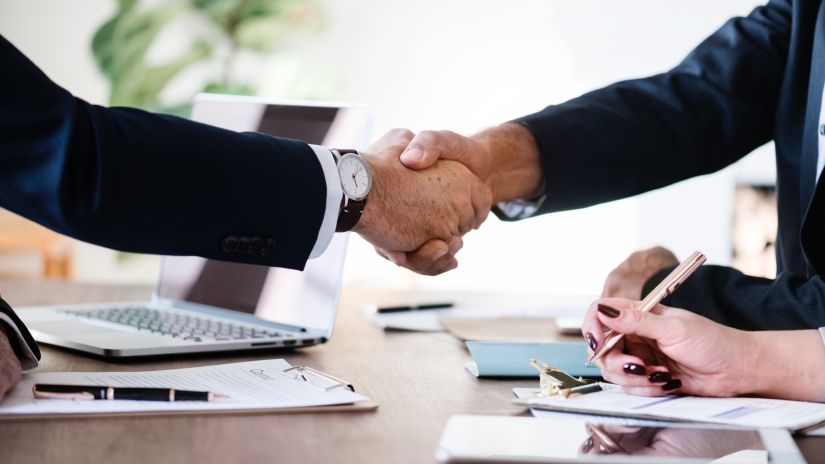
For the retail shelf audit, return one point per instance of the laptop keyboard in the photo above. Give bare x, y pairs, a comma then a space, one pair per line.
178, 325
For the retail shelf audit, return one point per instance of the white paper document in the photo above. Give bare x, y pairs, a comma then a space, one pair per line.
745, 412
526, 393
249, 386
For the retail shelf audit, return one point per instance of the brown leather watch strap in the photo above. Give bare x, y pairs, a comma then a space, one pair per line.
349, 213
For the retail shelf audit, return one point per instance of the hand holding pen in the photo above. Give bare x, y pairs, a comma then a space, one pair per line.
663, 350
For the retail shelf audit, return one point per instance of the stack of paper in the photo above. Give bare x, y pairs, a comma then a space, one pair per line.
744, 412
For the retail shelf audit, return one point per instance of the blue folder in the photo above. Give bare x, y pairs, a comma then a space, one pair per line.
502, 359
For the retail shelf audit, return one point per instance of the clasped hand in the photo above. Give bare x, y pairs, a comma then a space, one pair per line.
416, 218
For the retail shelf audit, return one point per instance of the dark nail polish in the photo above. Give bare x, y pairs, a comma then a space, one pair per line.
608, 311
658, 377
672, 385
634, 369
588, 445
591, 342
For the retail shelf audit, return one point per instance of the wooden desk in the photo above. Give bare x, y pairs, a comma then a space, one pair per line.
418, 380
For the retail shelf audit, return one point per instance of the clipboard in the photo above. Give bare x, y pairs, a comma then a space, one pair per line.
257, 376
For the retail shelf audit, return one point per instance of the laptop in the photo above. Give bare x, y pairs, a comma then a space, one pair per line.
201, 305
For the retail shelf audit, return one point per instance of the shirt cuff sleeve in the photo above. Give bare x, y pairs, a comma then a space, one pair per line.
333, 204
27, 357
822, 333
520, 209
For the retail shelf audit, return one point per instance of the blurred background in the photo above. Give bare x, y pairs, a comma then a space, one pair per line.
430, 64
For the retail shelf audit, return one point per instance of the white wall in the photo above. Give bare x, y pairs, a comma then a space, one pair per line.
466, 65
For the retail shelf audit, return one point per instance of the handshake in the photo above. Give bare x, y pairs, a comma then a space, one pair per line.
432, 188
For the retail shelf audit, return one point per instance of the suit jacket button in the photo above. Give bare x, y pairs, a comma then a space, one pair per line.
255, 245
229, 244
243, 244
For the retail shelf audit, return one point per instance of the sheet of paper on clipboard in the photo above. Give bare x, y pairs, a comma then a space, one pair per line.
267, 385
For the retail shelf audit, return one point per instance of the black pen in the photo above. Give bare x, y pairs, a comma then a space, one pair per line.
96, 392
400, 309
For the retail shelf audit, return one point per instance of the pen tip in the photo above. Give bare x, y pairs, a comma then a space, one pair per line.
218, 395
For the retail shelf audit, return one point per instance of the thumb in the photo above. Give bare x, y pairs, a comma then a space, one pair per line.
622, 316
427, 147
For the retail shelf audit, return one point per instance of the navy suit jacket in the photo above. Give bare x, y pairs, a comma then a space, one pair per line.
755, 79
149, 183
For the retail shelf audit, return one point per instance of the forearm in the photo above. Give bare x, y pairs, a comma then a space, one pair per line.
149, 183
514, 159
785, 364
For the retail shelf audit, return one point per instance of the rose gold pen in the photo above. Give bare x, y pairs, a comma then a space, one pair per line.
662, 291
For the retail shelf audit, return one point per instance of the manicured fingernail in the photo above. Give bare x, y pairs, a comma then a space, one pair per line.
634, 369
588, 445
591, 342
672, 385
608, 311
439, 254
413, 154
658, 377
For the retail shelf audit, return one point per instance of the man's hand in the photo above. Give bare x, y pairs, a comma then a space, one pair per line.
9, 364
504, 158
408, 209
628, 279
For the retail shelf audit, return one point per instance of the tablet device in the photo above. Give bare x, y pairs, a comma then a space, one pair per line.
482, 439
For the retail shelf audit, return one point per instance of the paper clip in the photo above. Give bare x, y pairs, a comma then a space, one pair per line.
306, 374
555, 382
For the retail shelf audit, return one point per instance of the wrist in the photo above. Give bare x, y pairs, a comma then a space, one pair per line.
791, 365
747, 360
511, 155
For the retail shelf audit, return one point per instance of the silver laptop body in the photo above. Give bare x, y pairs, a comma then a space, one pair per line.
202, 305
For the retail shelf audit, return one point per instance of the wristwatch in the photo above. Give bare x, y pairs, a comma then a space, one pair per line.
356, 182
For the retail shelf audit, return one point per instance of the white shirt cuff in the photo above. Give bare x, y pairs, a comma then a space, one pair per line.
334, 194
523, 209
822, 333
29, 360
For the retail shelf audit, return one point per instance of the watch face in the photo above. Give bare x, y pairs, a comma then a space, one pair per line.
356, 179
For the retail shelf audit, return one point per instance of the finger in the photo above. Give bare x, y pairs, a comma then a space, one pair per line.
646, 391
466, 218
621, 315
482, 200
397, 136
625, 370
431, 255
593, 329
427, 147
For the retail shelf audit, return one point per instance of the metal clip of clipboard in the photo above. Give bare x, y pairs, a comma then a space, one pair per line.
315, 378
555, 382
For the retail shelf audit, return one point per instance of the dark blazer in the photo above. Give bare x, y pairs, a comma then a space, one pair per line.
148, 183
755, 79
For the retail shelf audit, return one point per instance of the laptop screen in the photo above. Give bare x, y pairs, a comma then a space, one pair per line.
305, 299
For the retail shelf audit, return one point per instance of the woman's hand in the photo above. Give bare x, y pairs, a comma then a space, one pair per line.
670, 350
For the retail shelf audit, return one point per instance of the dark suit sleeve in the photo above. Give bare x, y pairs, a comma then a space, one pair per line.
19, 337
725, 295
148, 183
704, 114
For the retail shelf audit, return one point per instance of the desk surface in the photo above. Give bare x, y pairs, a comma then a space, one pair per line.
417, 379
